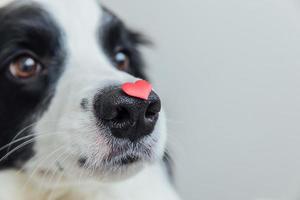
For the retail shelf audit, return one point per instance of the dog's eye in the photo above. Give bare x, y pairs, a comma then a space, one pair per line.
25, 67
121, 60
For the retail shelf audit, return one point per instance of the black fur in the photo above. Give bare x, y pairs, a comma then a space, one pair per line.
26, 29
115, 35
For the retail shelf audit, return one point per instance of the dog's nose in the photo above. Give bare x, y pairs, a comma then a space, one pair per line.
127, 117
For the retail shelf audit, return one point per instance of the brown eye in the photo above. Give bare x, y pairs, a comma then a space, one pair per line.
25, 67
122, 60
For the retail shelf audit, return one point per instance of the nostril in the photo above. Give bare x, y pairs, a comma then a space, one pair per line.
150, 112
122, 114
121, 120
153, 110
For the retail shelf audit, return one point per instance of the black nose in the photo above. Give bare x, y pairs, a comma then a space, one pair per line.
127, 117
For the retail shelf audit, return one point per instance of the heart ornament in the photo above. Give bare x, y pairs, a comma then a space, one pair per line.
139, 89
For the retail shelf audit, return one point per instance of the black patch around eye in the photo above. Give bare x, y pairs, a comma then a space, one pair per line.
29, 26
114, 36
26, 27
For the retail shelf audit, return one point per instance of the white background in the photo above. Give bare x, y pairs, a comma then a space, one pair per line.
229, 75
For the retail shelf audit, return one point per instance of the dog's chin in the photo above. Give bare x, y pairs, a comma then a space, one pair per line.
119, 167
118, 172
123, 158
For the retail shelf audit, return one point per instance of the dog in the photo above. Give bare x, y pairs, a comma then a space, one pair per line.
68, 131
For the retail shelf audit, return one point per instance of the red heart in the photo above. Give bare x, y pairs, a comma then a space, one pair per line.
140, 89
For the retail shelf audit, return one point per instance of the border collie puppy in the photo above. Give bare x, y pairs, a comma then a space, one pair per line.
67, 130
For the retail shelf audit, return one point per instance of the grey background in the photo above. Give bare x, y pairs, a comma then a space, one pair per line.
229, 75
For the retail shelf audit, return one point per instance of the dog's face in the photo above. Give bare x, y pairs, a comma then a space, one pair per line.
62, 109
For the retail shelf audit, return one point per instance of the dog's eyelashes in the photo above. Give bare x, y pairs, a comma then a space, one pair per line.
122, 60
25, 67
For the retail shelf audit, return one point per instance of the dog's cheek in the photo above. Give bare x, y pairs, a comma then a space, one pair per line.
66, 134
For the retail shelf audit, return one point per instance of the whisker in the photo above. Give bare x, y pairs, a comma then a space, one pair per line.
58, 179
33, 134
38, 165
16, 149
22, 131
45, 179
26, 137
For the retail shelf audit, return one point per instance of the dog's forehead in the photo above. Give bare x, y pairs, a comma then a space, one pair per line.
79, 20
74, 13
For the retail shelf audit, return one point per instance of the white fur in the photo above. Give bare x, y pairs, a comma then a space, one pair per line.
149, 184
65, 131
